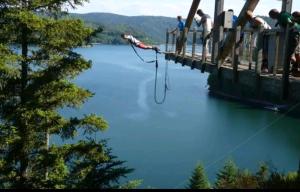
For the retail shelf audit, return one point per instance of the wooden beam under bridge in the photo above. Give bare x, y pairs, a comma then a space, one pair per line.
188, 24
241, 21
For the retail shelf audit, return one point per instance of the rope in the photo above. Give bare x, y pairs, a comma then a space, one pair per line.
166, 88
166, 81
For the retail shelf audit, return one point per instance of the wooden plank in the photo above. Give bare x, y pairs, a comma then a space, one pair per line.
167, 40
275, 67
235, 60
194, 43
173, 42
287, 5
218, 29
241, 21
188, 23
250, 51
259, 53
286, 66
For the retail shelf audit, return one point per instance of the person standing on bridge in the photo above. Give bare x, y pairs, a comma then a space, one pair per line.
207, 25
137, 43
234, 18
285, 19
257, 23
180, 29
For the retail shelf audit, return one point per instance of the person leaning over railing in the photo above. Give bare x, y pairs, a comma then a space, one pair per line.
285, 19
257, 23
296, 19
207, 25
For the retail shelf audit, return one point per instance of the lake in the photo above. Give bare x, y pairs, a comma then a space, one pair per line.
163, 143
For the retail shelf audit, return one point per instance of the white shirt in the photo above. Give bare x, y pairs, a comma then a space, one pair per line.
132, 39
206, 22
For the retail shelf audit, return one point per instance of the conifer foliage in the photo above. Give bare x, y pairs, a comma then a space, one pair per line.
198, 179
37, 65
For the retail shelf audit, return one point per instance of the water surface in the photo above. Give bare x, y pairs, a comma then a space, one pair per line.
163, 143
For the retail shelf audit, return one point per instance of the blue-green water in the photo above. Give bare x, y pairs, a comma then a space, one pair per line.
164, 142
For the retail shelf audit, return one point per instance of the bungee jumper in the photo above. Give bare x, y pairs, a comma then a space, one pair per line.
137, 43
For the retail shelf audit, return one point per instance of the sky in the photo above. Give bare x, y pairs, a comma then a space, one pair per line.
172, 8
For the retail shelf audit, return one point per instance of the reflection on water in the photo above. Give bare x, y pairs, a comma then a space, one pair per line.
164, 142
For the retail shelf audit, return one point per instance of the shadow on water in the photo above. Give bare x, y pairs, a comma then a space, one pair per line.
291, 110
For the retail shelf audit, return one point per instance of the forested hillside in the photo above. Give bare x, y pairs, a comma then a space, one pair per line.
147, 28
150, 29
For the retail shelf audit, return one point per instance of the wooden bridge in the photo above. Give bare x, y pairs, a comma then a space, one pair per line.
235, 69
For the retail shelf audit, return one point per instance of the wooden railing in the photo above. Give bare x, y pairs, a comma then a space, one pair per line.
245, 53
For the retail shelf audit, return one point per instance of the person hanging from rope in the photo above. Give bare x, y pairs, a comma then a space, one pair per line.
137, 43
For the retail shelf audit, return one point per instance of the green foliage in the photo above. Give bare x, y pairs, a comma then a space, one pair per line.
231, 177
262, 175
198, 179
37, 66
132, 184
227, 177
150, 29
245, 180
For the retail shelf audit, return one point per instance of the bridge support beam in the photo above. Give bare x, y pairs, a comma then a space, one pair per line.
287, 5
241, 21
188, 24
218, 30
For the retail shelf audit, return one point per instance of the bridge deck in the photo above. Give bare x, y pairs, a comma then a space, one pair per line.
247, 84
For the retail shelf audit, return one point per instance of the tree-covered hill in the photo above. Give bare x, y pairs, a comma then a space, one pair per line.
150, 29
147, 28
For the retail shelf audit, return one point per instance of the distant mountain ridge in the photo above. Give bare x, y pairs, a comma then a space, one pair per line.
148, 28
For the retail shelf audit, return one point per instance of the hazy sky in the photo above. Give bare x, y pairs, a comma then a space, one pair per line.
171, 8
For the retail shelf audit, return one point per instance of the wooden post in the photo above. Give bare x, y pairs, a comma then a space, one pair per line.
185, 34
250, 50
275, 67
194, 43
287, 5
177, 36
259, 52
167, 40
217, 30
173, 41
235, 60
241, 21
286, 66
204, 51
188, 23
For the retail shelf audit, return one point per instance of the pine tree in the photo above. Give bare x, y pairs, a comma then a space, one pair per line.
262, 175
245, 180
198, 179
227, 177
37, 65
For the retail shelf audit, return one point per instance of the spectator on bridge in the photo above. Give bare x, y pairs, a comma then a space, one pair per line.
256, 23
138, 43
227, 31
285, 19
234, 17
207, 25
296, 16
180, 28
